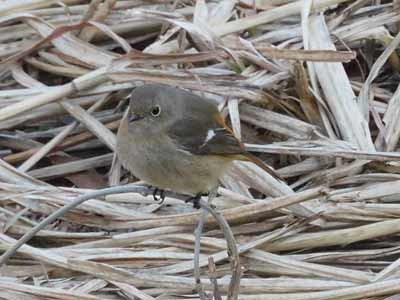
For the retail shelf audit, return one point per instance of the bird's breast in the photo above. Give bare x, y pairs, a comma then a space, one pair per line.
157, 160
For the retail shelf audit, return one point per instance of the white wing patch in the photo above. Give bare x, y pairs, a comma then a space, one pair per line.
210, 135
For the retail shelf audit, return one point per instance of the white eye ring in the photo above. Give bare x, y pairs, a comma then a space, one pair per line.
156, 111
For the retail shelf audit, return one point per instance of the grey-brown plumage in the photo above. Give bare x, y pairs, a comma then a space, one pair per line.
173, 139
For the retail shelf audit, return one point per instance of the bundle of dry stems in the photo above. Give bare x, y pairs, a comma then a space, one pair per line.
311, 87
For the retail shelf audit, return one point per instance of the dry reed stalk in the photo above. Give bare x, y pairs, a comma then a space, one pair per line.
309, 86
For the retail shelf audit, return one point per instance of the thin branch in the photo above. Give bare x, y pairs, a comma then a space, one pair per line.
213, 278
197, 246
63, 210
233, 251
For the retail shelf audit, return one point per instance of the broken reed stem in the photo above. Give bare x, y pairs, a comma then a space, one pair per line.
53, 94
52, 144
68, 142
197, 245
63, 210
232, 246
213, 278
233, 252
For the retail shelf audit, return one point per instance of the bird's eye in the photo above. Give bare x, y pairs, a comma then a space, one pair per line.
155, 111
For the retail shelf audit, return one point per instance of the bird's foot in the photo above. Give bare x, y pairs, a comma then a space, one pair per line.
195, 200
161, 196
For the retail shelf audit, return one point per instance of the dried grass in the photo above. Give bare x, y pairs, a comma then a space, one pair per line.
311, 86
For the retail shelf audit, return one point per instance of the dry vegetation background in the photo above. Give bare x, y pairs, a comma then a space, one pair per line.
312, 87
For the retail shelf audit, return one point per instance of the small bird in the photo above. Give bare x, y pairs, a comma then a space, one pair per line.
174, 139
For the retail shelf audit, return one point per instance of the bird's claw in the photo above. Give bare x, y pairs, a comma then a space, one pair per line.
195, 200
161, 196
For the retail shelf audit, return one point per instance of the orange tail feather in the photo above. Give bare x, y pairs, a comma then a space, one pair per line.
262, 165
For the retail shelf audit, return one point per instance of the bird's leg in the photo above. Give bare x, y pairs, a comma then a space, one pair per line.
155, 191
162, 195
195, 200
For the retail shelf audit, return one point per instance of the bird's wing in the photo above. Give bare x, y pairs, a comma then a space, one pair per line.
209, 135
205, 136
212, 136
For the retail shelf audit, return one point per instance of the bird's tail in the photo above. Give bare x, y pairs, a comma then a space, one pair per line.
262, 165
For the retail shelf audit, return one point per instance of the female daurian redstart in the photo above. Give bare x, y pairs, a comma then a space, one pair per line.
173, 139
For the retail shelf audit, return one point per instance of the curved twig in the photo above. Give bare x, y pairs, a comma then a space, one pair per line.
232, 246
63, 210
197, 246
233, 252
196, 262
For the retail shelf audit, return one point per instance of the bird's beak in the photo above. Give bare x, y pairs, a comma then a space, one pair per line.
134, 117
